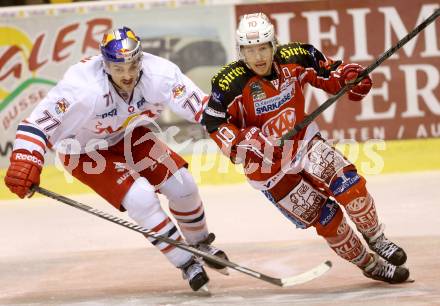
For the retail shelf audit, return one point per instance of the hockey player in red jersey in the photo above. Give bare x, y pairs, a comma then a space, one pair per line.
95, 118
258, 99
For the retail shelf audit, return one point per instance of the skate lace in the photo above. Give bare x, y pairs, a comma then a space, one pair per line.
206, 246
385, 247
191, 271
212, 250
385, 270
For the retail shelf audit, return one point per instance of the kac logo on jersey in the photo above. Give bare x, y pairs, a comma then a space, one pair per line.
281, 123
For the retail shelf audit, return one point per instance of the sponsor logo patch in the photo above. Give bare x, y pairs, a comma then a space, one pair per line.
29, 157
61, 106
257, 91
328, 212
224, 78
113, 112
215, 113
273, 103
125, 176
217, 96
178, 90
344, 182
119, 167
141, 102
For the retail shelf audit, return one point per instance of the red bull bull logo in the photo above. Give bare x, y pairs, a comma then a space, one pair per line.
61, 106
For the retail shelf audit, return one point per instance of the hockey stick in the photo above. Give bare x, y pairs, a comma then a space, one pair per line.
282, 282
298, 127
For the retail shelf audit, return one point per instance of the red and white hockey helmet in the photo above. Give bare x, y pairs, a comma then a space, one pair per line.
255, 29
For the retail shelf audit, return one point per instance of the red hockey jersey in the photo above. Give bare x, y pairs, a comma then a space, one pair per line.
240, 98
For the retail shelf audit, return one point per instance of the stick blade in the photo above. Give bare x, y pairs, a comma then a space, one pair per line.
307, 276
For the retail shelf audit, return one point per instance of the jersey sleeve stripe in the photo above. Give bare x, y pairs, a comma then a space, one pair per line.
28, 146
32, 130
31, 139
198, 115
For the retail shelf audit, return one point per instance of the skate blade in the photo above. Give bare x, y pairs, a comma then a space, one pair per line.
204, 291
410, 280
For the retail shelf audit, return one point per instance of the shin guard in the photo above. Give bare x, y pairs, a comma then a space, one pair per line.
343, 240
360, 208
186, 206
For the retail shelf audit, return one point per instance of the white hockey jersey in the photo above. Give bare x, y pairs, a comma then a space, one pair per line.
84, 107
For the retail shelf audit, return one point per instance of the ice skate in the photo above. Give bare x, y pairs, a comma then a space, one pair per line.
385, 248
195, 274
380, 269
205, 246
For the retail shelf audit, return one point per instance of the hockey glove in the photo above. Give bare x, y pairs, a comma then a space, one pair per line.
23, 172
253, 146
349, 73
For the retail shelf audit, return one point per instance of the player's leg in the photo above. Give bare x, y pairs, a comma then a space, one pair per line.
297, 199
305, 205
306, 202
143, 206
167, 171
187, 208
115, 183
162, 167
329, 167
339, 235
360, 206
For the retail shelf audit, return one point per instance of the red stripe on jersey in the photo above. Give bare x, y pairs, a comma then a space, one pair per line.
200, 112
33, 140
197, 116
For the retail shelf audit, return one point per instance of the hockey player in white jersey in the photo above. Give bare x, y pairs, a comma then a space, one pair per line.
95, 118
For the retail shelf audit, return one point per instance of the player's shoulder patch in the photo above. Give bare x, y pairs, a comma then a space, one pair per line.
231, 76
293, 53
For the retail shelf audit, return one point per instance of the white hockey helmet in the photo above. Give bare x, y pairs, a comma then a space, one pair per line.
255, 29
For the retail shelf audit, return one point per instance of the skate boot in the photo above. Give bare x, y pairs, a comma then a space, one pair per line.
380, 269
205, 246
386, 248
193, 271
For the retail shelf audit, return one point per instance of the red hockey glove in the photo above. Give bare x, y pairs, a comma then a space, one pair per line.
23, 172
350, 72
253, 146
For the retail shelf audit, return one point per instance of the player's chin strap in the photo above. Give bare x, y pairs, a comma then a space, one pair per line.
298, 127
282, 282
